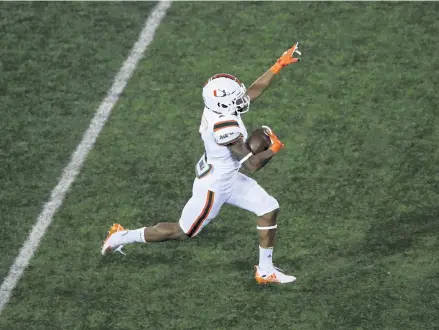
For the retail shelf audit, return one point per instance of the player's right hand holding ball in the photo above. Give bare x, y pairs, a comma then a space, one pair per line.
276, 144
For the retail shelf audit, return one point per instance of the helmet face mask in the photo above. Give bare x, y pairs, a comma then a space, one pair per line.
243, 104
225, 94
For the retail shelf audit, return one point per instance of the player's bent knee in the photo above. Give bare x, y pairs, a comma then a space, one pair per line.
182, 237
180, 234
274, 203
271, 205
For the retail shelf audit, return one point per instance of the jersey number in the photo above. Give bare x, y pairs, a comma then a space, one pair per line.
202, 168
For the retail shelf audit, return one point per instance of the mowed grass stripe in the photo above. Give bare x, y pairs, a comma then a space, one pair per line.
57, 62
81, 152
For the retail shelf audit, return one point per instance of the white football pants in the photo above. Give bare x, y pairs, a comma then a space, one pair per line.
211, 192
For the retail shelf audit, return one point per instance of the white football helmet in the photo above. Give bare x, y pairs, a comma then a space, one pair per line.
225, 94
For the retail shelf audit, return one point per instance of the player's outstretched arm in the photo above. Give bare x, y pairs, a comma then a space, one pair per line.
261, 84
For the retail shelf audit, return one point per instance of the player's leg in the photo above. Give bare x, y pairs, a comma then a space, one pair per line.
249, 195
201, 208
119, 236
266, 224
164, 231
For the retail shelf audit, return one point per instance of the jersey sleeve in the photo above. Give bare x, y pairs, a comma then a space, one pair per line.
226, 131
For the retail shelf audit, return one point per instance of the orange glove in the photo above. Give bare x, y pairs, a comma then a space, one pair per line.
286, 58
276, 144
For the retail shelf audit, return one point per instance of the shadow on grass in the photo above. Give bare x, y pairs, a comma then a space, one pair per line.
397, 234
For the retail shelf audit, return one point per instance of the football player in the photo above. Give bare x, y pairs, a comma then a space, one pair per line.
218, 180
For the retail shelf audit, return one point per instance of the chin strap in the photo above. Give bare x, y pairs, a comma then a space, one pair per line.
267, 228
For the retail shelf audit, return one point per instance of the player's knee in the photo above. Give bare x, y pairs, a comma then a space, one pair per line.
179, 234
271, 207
191, 234
273, 204
182, 236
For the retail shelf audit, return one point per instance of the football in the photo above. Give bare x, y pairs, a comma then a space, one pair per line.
258, 141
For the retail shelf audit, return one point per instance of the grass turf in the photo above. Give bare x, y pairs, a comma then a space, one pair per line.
57, 61
357, 182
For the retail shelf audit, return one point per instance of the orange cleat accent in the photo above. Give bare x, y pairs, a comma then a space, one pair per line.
274, 275
114, 229
272, 278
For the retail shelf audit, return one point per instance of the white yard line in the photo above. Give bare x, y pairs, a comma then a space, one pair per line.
77, 160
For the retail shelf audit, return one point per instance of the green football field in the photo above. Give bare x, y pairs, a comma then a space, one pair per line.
358, 180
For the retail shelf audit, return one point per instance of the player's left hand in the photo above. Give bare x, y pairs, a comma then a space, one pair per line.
276, 144
287, 58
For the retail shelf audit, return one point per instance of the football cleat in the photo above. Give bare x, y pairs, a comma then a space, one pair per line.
273, 275
111, 242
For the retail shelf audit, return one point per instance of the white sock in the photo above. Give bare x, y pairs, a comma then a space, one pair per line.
133, 236
265, 258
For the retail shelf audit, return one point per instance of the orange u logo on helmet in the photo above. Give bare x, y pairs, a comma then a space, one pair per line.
222, 92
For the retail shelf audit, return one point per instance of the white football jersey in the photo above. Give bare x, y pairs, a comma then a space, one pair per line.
217, 131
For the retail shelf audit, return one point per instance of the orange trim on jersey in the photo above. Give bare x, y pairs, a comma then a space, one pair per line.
225, 124
203, 215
